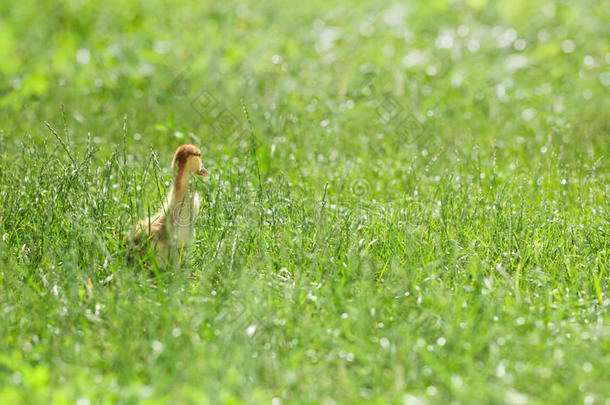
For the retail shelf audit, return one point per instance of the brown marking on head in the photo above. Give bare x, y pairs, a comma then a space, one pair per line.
183, 153
187, 161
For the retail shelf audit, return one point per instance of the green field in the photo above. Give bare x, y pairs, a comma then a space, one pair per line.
408, 202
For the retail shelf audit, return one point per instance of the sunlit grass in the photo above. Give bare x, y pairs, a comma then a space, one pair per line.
416, 211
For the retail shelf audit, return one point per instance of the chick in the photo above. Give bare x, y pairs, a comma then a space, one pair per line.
172, 230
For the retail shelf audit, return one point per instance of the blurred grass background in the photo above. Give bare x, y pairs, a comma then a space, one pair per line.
416, 213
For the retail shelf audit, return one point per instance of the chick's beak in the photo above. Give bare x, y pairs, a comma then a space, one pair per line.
203, 172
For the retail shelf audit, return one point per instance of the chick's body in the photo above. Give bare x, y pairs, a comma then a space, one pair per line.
172, 231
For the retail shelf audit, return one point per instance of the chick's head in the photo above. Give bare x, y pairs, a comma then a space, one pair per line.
188, 158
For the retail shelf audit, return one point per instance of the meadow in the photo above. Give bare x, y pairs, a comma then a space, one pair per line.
408, 202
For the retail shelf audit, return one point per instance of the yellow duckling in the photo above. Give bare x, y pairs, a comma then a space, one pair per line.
172, 230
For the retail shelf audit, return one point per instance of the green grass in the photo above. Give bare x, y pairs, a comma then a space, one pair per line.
416, 210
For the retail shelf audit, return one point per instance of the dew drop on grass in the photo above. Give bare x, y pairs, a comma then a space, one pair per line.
500, 370
414, 58
366, 393
327, 39
507, 38
83, 56
146, 392
520, 44
516, 398
568, 46
394, 15
501, 92
162, 47
528, 114
409, 399
444, 40
157, 346
250, 330
457, 381
588, 60
473, 45
367, 29
514, 63
16, 83
16, 378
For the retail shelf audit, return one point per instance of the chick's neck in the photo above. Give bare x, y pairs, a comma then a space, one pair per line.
181, 186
